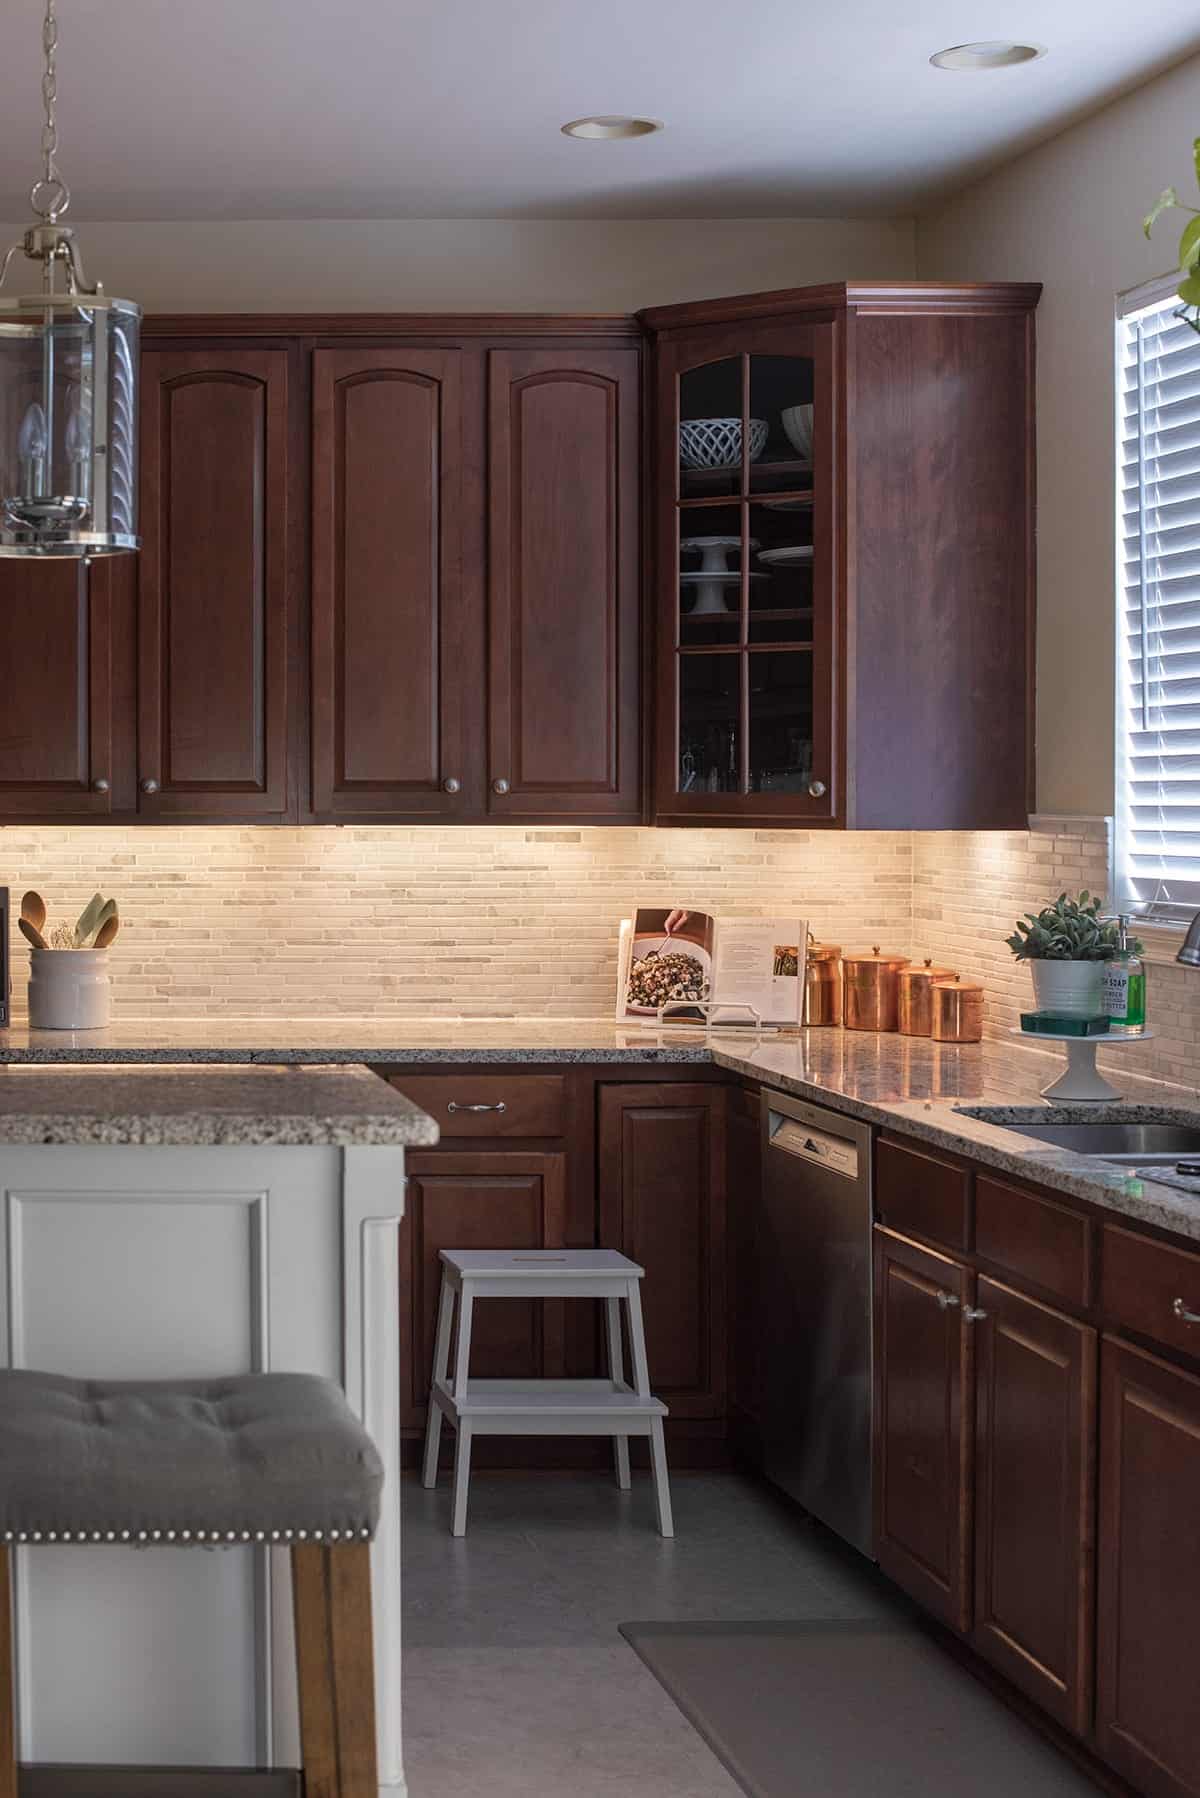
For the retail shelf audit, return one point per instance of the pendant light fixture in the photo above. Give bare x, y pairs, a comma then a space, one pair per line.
68, 384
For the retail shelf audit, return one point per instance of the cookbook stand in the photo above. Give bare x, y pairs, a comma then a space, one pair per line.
702, 1015
1082, 1083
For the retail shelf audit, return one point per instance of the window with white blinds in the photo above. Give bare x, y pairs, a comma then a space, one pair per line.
1157, 845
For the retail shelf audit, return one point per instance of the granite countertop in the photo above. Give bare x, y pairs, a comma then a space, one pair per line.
909, 1084
190, 1106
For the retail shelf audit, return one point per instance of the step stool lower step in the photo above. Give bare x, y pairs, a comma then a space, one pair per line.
550, 1407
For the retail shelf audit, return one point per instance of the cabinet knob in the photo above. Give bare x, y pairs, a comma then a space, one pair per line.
816, 789
450, 785
100, 785
973, 1314
500, 786
1183, 1314
149, 785
947, 1300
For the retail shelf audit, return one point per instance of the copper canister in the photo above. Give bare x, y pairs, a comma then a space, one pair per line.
957, 1011
823, 985
915, 998
869, 990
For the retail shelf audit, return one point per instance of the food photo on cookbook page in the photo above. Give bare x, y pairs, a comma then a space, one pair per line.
736, 971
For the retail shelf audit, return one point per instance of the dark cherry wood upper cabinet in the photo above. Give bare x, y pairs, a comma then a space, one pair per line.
396, 675
63, 750
923, 1447
1035, 1437
214, 592
564, 573
662, 1202
1147, 1716
843, 480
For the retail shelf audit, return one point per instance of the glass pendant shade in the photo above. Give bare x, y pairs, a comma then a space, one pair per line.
68, 425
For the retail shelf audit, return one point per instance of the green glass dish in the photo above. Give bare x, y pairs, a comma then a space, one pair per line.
1047, 1023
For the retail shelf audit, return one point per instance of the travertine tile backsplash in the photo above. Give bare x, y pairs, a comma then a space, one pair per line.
481, 922
489, 922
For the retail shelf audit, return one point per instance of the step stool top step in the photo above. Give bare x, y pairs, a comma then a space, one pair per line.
524, 1264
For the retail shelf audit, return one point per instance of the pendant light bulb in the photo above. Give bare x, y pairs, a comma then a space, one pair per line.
31, 438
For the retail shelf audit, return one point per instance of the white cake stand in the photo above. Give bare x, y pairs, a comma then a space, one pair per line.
1083, 1083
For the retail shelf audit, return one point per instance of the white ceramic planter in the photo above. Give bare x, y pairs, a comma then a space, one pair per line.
1072, 989
69, 989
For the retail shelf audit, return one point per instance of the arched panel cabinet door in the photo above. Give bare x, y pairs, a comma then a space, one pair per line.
214, 623
395, 678
564, 567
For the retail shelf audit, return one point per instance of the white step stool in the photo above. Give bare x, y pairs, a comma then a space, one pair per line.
543, 1407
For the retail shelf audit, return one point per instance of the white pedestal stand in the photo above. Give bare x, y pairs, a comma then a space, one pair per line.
1083, 1083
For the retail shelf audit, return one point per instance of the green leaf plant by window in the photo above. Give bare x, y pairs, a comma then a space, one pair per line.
1157, 845
1189, 244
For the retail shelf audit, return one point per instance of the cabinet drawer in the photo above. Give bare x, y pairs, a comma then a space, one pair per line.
489, 1104
1034, 1239
920, 1195
1143, 1281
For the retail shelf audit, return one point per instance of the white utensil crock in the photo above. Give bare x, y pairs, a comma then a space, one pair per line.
69, 989
1070, 989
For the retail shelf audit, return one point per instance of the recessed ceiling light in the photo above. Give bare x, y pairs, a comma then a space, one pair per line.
991, 55
611, 125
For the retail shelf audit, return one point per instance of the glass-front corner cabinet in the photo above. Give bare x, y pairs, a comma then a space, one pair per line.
747, 582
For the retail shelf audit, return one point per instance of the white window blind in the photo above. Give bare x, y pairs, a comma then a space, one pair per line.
1158, 611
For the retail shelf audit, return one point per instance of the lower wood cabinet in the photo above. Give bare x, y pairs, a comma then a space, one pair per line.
985, 1450
480, 1199
747, 1249
923, 1425
1148, 1692
1035, 1427
662, 1202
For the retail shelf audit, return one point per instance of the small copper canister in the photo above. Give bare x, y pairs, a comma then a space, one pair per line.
915, 1001
870, 990
958, 1011
823, 985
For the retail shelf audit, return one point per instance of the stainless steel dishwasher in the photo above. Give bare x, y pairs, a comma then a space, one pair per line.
816, 1297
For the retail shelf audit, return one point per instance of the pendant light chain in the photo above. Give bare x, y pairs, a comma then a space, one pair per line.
50, 197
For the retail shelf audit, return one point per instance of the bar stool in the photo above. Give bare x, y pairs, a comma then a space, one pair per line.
608, 1407
262, 1459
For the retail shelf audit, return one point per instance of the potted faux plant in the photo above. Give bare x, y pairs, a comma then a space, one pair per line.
1189, 246
1066, 946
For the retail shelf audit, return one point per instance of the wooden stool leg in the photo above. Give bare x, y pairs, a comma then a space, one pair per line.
462, 1480
662, 1485
335, 1667
441, 1366
616, 1373
8, 1733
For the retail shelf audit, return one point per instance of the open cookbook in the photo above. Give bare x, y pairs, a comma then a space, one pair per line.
733, 972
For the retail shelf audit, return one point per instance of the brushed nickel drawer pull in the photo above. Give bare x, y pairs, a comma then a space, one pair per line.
973, 1314
453, 1105
1183, 1314
947, 1300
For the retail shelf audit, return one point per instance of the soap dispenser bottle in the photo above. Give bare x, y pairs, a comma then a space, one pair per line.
1125, 986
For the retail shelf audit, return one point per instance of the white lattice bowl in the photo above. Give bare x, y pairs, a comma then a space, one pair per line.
797, 423
717, 442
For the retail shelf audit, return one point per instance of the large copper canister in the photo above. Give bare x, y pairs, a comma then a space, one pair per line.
823, 985
915, 998
870, 994
958, 1011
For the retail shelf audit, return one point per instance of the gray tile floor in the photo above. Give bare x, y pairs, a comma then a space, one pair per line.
516, 1681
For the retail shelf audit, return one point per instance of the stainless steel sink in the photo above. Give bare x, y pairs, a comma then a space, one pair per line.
1125, 1141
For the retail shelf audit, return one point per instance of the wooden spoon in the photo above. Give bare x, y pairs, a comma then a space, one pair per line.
107, 932
31, 933
33, 909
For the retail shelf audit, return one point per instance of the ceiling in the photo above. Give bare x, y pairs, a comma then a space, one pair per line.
203, 109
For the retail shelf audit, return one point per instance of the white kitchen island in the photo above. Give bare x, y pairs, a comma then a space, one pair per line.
164, 1222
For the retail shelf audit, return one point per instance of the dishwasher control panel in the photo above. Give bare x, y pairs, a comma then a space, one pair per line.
816, 1146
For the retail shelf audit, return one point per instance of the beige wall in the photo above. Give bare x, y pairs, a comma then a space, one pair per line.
478, 265
1069, 214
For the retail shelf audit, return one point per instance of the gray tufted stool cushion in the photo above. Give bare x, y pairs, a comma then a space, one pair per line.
267, 1457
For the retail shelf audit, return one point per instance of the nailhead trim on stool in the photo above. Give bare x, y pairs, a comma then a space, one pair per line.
147, 1538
